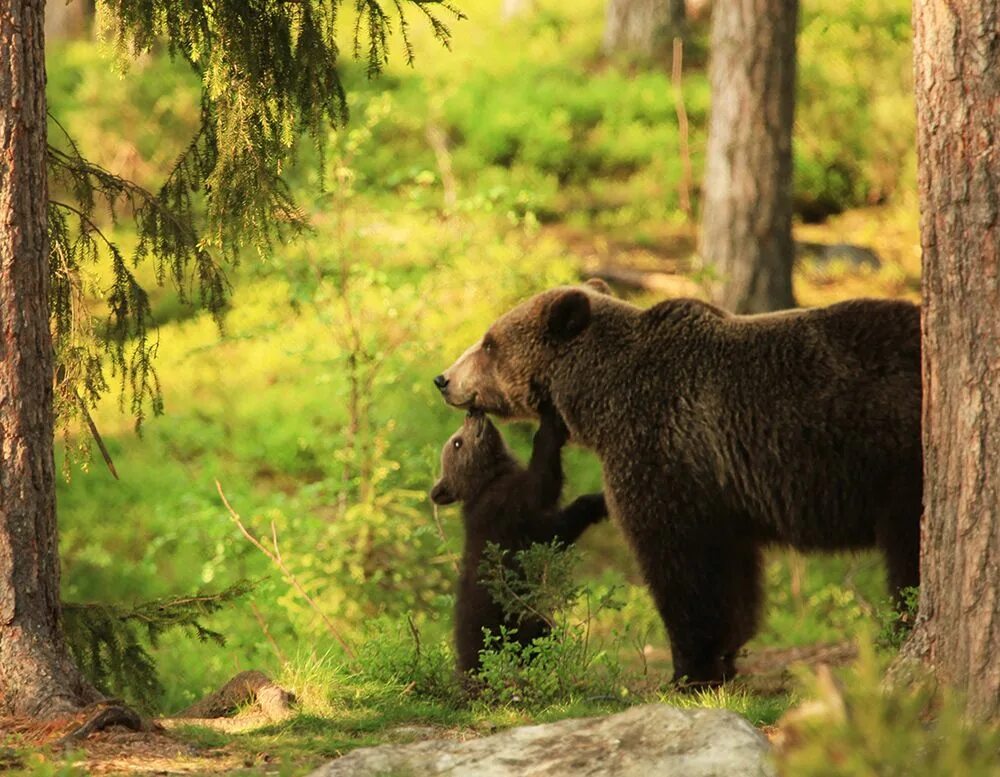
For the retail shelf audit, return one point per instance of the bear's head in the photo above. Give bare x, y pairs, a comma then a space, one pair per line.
504, 373
472, 457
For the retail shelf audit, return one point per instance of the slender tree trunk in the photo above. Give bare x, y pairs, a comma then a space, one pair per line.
957, 79
511, 9
746, 232
66, 18
37, 676
642, 26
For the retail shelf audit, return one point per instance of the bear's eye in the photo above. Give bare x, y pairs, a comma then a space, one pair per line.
489, 344
457, 443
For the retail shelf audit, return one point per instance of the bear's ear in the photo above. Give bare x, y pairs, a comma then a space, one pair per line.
440, 495
567, 315
599, 286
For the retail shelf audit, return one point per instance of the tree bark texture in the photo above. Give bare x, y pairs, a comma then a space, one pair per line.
642, 26
746, 230
957, 83
37, 676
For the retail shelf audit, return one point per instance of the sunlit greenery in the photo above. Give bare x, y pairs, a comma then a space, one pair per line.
510, 163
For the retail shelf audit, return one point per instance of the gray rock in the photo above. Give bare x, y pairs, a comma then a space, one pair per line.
645, 741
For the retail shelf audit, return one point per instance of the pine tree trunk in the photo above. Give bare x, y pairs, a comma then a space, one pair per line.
66, 18
642, 26
511, 9
746, 231
37, 676
957, 80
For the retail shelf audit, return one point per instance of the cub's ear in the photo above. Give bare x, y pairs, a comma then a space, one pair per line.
567, 315
599, 286
440, 495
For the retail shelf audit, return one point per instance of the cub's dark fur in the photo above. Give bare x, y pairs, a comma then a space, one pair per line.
513, 507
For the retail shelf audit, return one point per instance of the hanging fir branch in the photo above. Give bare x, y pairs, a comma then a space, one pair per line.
111, 643
269, 76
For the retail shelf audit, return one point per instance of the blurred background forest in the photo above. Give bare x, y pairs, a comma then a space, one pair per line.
524, 157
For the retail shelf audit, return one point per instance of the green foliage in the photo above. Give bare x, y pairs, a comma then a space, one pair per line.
566, 664
269, 75
401, 659
314, 407
39, 765
110, 642
537, 582
759, 709
896, 623
855, 124
863, 730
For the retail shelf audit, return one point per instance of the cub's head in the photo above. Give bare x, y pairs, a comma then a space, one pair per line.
471, 458
505, 373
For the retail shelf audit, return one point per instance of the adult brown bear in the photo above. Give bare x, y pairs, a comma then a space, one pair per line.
720, 434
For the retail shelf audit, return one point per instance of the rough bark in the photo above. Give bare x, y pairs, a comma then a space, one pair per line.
642, 26
746, 232
37, 676
956, 65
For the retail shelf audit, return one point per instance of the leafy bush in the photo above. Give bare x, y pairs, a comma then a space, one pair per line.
896, 623
857, 728
855, 123
567, 663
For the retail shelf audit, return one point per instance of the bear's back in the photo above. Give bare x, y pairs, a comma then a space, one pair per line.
802, 412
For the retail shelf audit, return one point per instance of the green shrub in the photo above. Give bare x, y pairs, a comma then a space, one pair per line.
860, 729
568, 663
896, 623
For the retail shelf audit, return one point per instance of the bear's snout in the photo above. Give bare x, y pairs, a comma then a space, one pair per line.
441, 382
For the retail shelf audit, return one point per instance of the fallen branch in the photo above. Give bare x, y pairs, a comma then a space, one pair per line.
106, 716
251, 687
659, 282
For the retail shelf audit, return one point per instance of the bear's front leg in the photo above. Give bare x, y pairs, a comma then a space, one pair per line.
545, 467
578, 515
690, 575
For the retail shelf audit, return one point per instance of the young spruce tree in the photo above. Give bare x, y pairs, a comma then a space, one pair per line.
269, 75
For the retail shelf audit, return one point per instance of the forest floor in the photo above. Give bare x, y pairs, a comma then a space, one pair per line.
245, 745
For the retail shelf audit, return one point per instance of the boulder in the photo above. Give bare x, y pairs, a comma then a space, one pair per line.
652, 739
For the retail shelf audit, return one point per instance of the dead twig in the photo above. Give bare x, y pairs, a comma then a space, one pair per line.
96, 434
440, 529
267, 633
275, 558
439, 145
684, 185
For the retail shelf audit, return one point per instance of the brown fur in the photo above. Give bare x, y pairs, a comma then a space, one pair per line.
511, 506
720, 434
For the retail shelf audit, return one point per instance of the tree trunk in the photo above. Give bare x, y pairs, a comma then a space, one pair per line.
37, 676
746, 232
66, 19
511, 9
956, 67
642, 26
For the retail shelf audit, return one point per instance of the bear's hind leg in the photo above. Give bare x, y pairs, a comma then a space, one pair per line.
898, 538
745, 599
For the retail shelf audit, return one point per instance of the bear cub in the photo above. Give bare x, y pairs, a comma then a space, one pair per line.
511, 506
